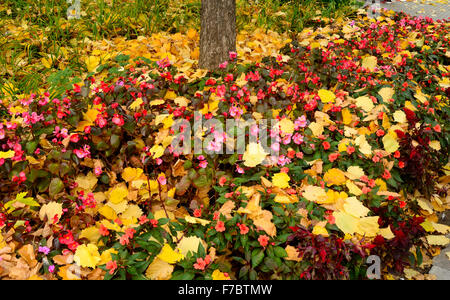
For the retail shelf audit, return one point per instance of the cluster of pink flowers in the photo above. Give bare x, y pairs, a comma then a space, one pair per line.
201, 263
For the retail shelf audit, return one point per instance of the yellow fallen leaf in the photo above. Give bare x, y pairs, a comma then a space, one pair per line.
334, 176
320, 230
286, 126
218, 275
326, 96
7, 154
386, 93
390, 143
346, 116
346, 222
130, 174
170, 256
92, 63
437, 240
106, 257
87, 182
368, 226
281, 180
190, 244
315, 194
118, 195
365, 103
399, 116
369, 63
254, 155
436, 145
87, 256
293, 253
194, 220
159, 270
353, 188
136, 104
355, 207
316, 128
91, 233
355, 172
52, 210
387, 233
107, 212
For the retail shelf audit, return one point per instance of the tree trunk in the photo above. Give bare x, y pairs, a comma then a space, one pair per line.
218, 32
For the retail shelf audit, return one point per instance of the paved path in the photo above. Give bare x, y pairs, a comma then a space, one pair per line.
441, 264
436, 9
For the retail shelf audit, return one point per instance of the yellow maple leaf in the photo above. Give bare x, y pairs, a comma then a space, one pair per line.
190, 244
130, 174
355, 172
368, 226
286, 126
281, 180
387, 233
169, 255
315, 194
390, 143
136, 104
159, 270
316, 128
52, 210
118, 194
399, 116
437, 240
157, 151
370, 63
365, 103
218, 275
347, 223
87, 256
7, 154
87, 182
346, 116
320, 230
355, 207
91, 233
334, 176
254, 155
92, 63
326, 96
386, 94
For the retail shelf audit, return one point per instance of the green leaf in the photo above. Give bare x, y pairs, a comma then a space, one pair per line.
56, 186
280, 252
257, 257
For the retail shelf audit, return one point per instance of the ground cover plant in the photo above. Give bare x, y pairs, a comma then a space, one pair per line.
93, 187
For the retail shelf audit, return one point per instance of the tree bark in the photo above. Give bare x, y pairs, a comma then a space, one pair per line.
218, 32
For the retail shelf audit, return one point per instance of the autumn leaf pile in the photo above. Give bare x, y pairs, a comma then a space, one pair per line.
92, 187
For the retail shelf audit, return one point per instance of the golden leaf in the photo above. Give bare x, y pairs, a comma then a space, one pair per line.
87, 256
159, 270
254, 155
334, 176
170, 256
326, 96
